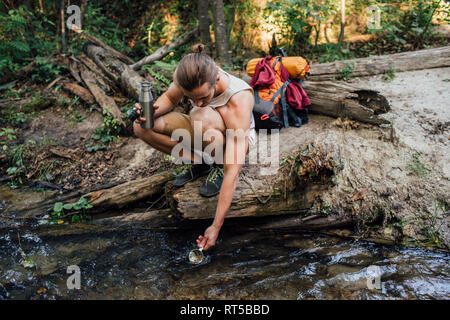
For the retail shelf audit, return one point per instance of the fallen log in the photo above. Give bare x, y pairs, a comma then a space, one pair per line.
315, 222
129, 192
398, 62
157, 219
128, 80
345, 101
286, 190
105, 83
245, 203
107, 103
113, 52
79, 91
107, 197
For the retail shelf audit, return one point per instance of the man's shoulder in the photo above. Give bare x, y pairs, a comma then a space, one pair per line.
241, 98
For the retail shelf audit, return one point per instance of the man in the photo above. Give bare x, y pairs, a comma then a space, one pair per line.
223, 106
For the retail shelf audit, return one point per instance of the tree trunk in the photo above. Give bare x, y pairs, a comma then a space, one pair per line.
230, 22
341, 34
63, 27
220, 34
341, 100
84, 5
246, 202
398, 62
204, 23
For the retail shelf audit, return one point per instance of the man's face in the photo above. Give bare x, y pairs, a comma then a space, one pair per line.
202, 95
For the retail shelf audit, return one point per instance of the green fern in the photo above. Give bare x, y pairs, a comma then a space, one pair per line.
17, 43
20, 46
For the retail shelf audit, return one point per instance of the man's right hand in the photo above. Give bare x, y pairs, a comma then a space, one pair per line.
139, 111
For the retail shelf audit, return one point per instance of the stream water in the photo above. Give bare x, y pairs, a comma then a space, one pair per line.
143, 264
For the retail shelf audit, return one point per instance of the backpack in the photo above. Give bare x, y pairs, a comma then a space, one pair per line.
271, 110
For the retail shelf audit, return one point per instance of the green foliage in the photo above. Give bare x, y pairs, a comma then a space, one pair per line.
416, 167
23, 35
344, 74
389, 75
17, 167
45, 70
104, 27
8, 133
107, 133
296, 19
163, 72
407, 26
331, 52
76, 212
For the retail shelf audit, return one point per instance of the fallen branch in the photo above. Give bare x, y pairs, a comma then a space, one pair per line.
107, 103
113, 52
163, 51
79, 91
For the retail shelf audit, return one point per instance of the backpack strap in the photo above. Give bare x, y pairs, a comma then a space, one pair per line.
284, 104
256, 94
278, 59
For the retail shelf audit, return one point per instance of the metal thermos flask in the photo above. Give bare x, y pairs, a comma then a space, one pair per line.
146, 101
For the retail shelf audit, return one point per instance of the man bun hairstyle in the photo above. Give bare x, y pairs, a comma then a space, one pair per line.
195, 69
198, 48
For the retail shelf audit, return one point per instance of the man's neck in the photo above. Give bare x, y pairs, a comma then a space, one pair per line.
222, 84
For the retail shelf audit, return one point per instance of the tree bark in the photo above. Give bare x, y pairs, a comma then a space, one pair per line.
220, 34
246, 202
63, 27
341, 34
133, 191
398, 62
77, 90
204, 23
107, 103
341, 100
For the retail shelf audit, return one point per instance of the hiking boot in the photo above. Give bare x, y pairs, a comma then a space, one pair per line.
213, 182
191, 172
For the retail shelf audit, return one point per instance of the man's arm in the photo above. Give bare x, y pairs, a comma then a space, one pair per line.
168, 100
237, 118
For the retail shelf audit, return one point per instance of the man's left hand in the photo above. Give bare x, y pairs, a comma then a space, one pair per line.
209, 239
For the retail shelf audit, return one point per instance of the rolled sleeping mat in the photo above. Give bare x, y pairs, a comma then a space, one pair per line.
298, 67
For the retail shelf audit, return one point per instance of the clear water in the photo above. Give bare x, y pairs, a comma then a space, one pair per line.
143, 264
